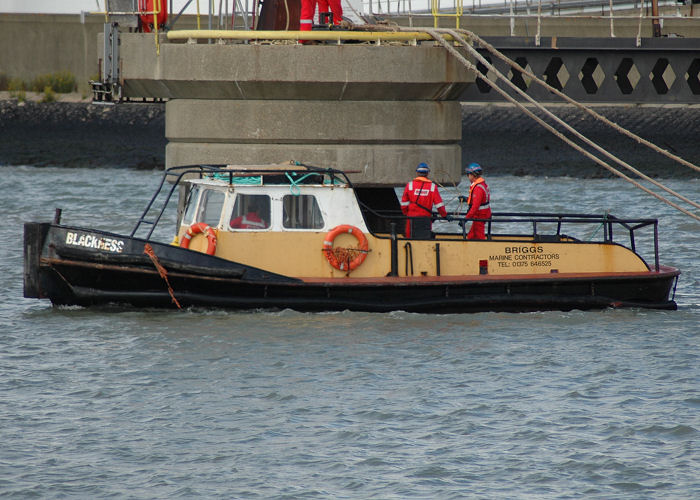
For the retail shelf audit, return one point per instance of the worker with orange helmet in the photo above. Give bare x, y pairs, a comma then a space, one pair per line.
479, 201
420, 196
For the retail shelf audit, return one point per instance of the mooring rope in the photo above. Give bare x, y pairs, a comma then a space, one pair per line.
435, 33
449, 188
148, 250
587, 109
581, 136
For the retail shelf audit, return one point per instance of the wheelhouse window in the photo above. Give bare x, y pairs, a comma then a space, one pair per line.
251, 211
301, 212
210, 205
191, 204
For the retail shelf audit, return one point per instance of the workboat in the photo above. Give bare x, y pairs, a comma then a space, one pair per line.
303, 237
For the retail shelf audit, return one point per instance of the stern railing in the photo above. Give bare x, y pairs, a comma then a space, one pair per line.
544, 227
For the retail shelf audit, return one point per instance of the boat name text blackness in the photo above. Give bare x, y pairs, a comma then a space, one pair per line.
90, 241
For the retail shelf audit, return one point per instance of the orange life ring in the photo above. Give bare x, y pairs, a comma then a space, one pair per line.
200, 228
340, 264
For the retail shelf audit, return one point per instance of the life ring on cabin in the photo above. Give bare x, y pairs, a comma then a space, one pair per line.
343, 261
200, 228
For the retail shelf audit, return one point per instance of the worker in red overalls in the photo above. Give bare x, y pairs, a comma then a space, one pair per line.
308, 9
332, 6
251, 220
420, 196
479, 200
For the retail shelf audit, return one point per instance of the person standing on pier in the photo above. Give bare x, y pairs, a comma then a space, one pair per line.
420, 196
308, 9
332, 6
479, 200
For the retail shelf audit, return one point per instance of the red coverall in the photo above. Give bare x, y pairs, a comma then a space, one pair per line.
419, 197
333, 6
249, 221
308, 8
479, 199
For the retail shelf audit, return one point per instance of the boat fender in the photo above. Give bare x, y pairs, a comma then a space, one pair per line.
337, 261
200, 228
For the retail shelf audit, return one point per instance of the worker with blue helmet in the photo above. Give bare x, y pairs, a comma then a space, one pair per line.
479, 201
423, 168
473, 168
419, 198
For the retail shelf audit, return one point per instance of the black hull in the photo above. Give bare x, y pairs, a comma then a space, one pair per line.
73, 275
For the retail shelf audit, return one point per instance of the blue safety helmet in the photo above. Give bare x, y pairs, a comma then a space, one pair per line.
423, 168
473, 168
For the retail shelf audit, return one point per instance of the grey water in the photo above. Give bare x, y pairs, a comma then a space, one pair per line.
115, 402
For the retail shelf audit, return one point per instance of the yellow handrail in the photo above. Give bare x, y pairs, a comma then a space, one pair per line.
155, 26
366, 36
435, 11
155, 13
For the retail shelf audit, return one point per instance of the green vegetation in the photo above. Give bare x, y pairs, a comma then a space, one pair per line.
20, 95
62, 82
49, 85
16, 84
17, 88
49, 95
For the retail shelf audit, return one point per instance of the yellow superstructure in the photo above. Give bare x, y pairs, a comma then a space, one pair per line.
300, 255
293, 219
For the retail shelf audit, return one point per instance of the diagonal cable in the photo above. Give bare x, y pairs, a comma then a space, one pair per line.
435, 33
574, 131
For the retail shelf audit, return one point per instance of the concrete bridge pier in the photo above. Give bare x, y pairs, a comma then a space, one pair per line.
373, 137
377, 110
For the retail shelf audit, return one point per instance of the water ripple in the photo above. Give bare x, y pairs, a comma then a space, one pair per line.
112, 402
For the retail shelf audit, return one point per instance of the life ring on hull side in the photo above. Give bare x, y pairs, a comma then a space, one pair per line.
345, 264
200, 228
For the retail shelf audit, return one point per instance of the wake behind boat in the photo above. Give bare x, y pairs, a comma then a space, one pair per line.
302, 237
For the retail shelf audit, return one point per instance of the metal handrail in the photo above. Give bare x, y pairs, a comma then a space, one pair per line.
606, 220
200, 170
436, 11
554, 6
534, 219
550, 9
371, 36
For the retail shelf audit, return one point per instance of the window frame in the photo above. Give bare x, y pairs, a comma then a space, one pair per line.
316, 205
270, 213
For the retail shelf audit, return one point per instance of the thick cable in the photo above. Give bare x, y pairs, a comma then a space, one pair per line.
572, 130
587, 109
440, 39
578, 134
566, 125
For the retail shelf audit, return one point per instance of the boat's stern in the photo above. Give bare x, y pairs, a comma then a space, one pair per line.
34, 238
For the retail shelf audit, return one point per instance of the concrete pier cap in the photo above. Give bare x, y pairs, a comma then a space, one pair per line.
375, 109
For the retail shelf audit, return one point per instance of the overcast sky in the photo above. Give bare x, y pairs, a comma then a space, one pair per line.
49, 7
74, 6
77, 6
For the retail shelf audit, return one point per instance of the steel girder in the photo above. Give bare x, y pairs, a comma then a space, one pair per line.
591, 70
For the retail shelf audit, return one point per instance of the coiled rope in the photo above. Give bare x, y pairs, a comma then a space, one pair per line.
436, 33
